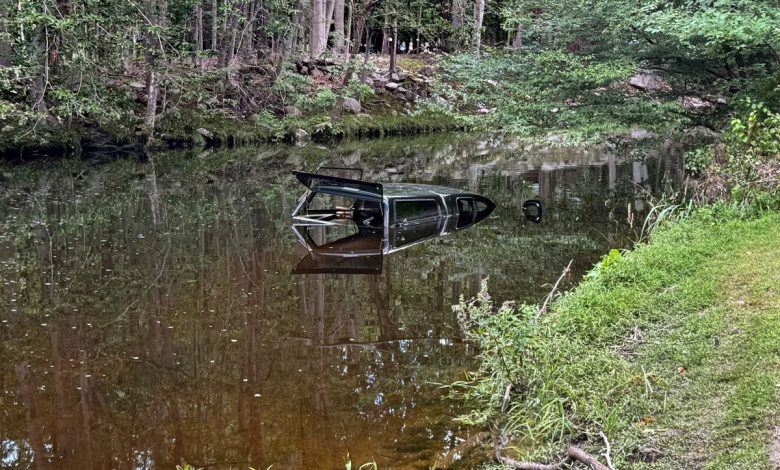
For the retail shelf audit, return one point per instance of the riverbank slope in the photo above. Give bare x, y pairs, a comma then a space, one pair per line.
672, 350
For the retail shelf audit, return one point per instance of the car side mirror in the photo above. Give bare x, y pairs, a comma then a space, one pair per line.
532, 209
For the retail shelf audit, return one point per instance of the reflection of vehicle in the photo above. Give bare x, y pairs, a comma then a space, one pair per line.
348, 224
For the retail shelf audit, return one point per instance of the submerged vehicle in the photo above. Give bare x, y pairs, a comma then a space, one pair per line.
348, 225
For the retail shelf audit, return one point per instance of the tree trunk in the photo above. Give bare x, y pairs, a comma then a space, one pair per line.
479, 14
350, 24
458, 11
198, 35
262, 39
329, 7
248, 33
361, 22
317, 28
360, 25
288, 40
6, 52
151, 106
366, 55
387, 33
41, 79
338, 20
214, 25
517, 42
419, 26
229, 47
394, 44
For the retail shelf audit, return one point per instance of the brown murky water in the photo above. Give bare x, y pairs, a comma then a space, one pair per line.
148, 316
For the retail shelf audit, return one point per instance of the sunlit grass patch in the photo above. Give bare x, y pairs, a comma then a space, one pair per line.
674, 345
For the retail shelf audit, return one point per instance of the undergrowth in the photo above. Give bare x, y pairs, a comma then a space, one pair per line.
577, 97
609, 355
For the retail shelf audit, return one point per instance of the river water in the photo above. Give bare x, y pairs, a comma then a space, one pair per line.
149, 317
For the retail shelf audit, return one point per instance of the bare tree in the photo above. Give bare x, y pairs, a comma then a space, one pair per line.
479, 14
317, 28
458, 11
214, 25
394, 42
517, 41
387, 34
338, 20
5, 43
362, 10
197, 34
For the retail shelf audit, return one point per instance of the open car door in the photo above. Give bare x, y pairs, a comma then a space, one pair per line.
337, 185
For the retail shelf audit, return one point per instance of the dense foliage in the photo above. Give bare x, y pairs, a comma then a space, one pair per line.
520, 65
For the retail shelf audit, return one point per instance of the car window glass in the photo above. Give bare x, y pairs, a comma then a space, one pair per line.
413, 209
465, 212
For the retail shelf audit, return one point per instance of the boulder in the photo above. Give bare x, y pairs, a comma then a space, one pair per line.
293, 111
202, 137
642, 134
699, 135
317, 73
205, 133
427, 70
647, 81
304, 70
697, 104
401, 89
302, 137
391, 86
351, 104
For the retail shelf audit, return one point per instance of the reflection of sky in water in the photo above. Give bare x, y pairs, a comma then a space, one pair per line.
11, 453
200, 346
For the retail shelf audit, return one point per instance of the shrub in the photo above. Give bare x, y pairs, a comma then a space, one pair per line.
698, 160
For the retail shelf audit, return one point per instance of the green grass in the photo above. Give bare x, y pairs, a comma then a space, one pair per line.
674, 345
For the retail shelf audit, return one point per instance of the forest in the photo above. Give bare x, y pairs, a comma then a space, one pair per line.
82, 73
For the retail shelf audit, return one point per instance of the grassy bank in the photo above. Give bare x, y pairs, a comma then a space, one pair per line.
181, 130
672, 350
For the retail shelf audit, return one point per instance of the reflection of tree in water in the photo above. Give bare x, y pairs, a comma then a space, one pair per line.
188, 339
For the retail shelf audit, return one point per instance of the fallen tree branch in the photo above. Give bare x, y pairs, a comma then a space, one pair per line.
549, 297
572, 453
607, 452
